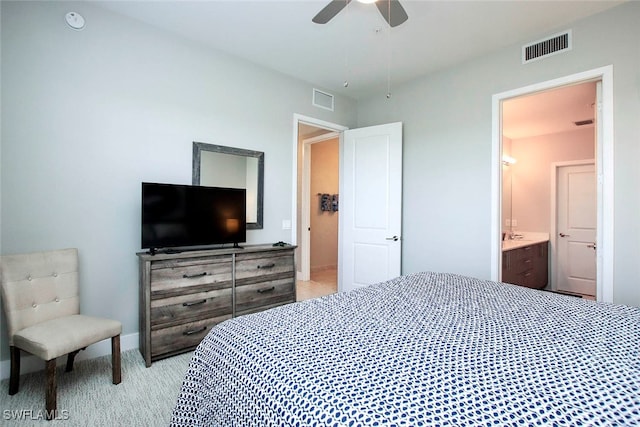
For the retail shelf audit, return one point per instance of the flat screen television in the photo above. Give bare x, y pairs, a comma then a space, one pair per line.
188, 216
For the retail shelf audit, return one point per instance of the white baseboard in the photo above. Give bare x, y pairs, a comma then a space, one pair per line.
29, 363
323, 268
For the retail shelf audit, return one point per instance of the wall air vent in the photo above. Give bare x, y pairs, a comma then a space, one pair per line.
553, 45
322, 99
584, 122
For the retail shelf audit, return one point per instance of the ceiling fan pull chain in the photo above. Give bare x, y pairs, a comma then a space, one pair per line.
346, 49
389, 52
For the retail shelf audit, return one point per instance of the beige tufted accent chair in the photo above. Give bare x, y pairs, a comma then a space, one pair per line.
42, 305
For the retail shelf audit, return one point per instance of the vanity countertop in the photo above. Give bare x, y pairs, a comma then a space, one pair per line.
528, 238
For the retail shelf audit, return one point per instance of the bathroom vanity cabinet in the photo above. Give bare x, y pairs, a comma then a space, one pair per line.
526, 265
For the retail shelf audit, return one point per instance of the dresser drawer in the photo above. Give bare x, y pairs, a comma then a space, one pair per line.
174, 310
172, 277
182, 337
262, 294
250, 266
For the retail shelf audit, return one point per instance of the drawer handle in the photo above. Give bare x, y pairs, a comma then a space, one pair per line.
204, 328
265, 290
194, 276
267, 266
190, 304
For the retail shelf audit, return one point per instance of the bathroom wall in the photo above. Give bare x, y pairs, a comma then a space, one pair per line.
324, 225
531, 175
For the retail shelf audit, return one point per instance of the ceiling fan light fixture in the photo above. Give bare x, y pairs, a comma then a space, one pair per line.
391, 10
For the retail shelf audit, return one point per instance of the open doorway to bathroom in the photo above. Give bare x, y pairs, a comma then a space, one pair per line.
604, 173
549, 190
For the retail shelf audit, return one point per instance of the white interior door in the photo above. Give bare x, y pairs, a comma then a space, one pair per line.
370, 206
576, 226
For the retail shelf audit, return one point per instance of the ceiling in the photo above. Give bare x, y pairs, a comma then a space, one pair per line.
549, 112
357, 46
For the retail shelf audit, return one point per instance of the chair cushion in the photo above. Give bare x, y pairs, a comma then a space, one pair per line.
57, 337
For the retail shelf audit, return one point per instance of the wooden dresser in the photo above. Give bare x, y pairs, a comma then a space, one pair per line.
183, 295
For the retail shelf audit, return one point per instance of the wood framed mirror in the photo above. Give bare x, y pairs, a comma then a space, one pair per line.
221, 166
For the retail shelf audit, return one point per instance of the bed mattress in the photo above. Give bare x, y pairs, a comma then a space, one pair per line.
420, 350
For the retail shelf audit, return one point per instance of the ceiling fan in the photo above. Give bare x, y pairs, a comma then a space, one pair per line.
391, 10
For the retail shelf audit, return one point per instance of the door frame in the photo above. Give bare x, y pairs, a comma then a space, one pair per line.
553, 230
305, 202
302, 240
604, 173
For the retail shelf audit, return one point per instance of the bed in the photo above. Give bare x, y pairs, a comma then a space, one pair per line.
423, 349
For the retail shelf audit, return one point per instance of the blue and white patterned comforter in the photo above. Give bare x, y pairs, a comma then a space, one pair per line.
420, 350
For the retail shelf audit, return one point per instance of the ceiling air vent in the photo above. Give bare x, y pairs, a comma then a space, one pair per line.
322, 99
553, 45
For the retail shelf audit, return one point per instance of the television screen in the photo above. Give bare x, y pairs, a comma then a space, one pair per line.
186, 215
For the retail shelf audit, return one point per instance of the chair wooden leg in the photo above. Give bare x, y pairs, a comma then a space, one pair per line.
70, 358
14, 381
51, 403
115, 359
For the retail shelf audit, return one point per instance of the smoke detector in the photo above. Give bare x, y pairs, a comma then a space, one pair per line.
74, 20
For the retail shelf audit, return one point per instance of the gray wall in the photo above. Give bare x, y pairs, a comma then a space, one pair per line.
447, 147
87, 116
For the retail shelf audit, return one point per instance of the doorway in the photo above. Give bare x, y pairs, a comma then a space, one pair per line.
540, 131
320, 213
317, 201
370, 221
603, 129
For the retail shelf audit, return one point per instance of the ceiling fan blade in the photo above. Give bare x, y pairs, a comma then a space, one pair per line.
392, 12
332, 9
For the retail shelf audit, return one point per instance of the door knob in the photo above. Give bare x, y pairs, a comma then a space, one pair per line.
592, 246
394, 238
564, 235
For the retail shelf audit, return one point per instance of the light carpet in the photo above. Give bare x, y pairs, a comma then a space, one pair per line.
87, 397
